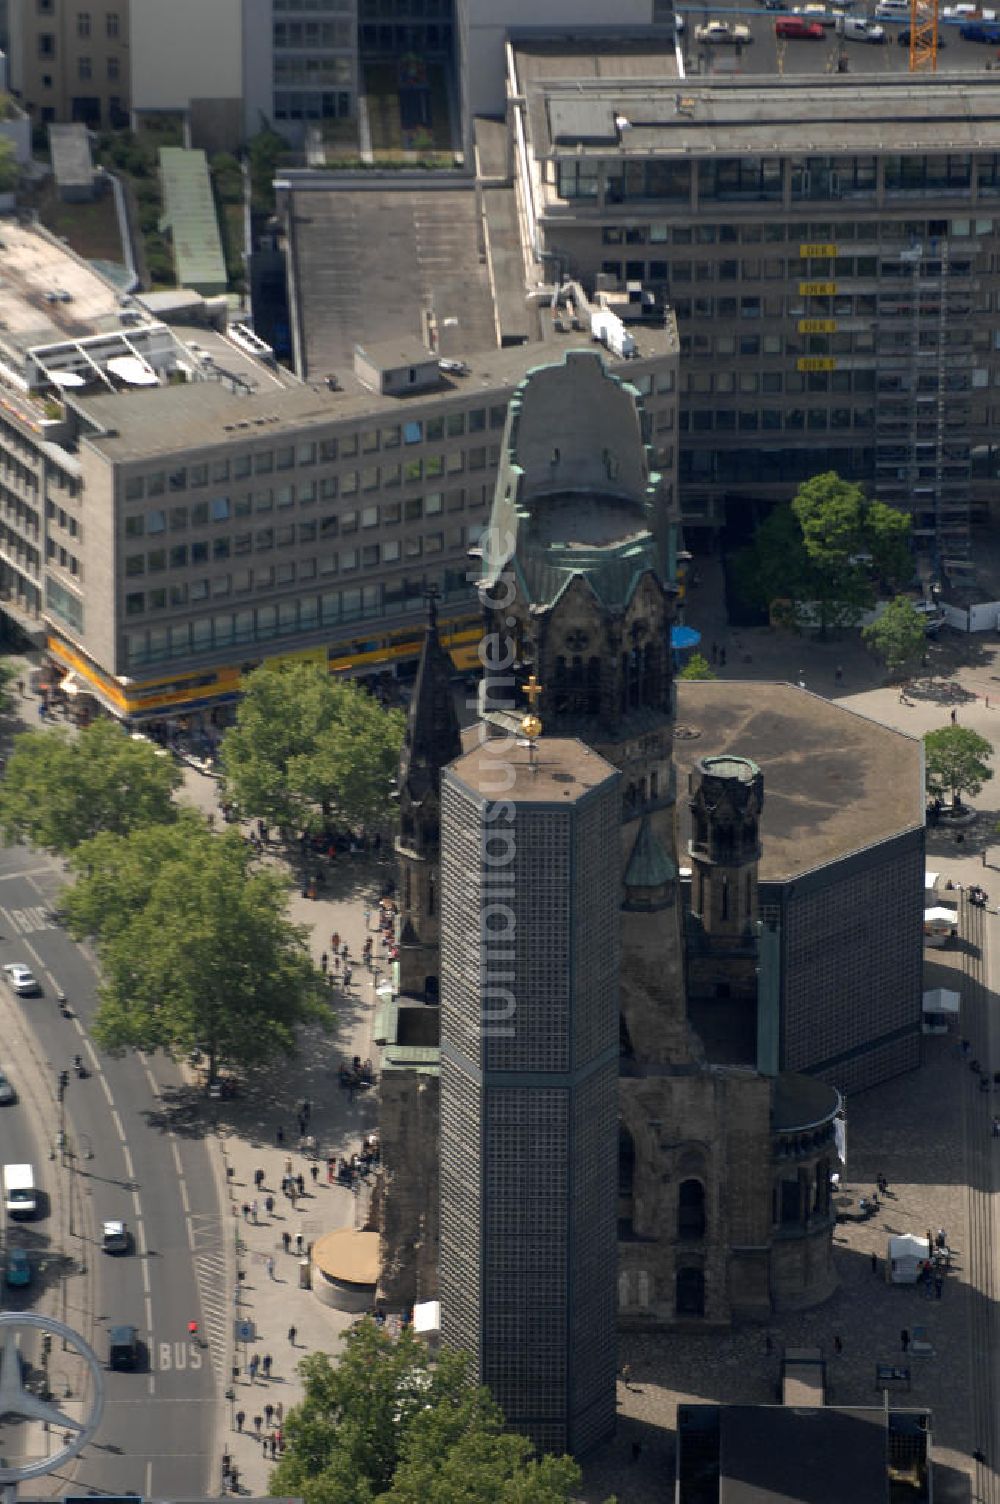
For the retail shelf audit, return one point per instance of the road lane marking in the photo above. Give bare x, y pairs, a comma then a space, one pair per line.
129, 1166
109, 1098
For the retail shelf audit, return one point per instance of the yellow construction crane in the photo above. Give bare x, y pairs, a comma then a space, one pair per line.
923, 35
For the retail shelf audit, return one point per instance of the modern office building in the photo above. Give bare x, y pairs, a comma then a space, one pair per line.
69, 60
839, 305
175, 507
529, 1082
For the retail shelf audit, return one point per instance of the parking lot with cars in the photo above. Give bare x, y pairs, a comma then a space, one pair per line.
790, 38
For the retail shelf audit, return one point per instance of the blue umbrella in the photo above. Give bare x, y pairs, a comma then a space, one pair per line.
682, 638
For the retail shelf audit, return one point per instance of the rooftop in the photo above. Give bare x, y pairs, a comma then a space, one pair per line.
635, 117
801, 1102
47, 294
370, 262
562, 770
815, 1456
189, 210
834, 782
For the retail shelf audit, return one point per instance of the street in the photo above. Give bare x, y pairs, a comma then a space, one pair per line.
130, 1152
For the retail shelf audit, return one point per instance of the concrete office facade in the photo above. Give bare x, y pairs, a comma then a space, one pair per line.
839, 309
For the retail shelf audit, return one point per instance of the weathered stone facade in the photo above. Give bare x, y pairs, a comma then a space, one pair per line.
577, 590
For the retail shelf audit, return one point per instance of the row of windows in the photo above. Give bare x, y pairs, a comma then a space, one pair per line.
763, 179
305, 614
324, 104
264, 540
85, 68
310, 72
112, 23
340, 6
728, 346
780, 269
312, 452
55, 553
313, 34
222, 509
804, 232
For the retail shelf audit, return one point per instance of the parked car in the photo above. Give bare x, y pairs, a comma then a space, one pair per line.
115, 1237
722, 31
817, 13
857, 29
981, 31
7, 1092
797, 27
21, 980
18, 1268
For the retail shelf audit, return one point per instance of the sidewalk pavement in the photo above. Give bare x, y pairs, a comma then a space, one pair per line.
265, 1278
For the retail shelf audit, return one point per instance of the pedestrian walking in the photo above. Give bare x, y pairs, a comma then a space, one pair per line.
293, 1192
258, 1421
344, 951
331, 1165
838, 1345
954, 715
904, 1338
258, 1179
348, 973
288, 1165
314, 1172
286, 1239
241, 1416
874, 1263
298, 1242
292, 1334
626, 1372
300, 1181
266, 1365
335, 942
246, 1211
253, 1211
270, 1267
279, 1412
269, 1206
268, 1415
252, 1368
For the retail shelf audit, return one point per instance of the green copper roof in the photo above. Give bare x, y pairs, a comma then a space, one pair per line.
649, 866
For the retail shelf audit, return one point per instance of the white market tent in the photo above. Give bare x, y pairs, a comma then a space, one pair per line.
941, 914
906, 1254
931, 881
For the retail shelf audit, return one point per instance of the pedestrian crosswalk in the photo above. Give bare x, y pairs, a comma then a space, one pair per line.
209, 1257
27, 921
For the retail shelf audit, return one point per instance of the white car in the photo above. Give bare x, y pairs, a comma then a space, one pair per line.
722, 31
7, 1092
818, 13
857, 29
114, 1237
21, 980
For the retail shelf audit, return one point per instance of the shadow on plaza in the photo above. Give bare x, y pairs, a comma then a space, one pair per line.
865, 1316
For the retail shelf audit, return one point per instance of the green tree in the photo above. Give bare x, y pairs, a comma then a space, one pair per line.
697, 667
387, 1422
306, 747
897, 635
956, 761
194, 944
60, 790
9, 170
825, 553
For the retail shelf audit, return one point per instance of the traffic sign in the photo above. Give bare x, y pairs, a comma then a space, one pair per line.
245, 1331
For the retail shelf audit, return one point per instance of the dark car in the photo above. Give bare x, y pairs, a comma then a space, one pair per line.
981, 31
123, 1348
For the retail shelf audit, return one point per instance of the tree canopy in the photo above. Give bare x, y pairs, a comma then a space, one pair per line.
387, 1422
898, 634
307, 748
194, 944
956, 761
825, 553
697, 667
60, 789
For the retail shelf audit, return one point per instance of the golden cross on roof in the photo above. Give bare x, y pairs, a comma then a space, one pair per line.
532, 691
